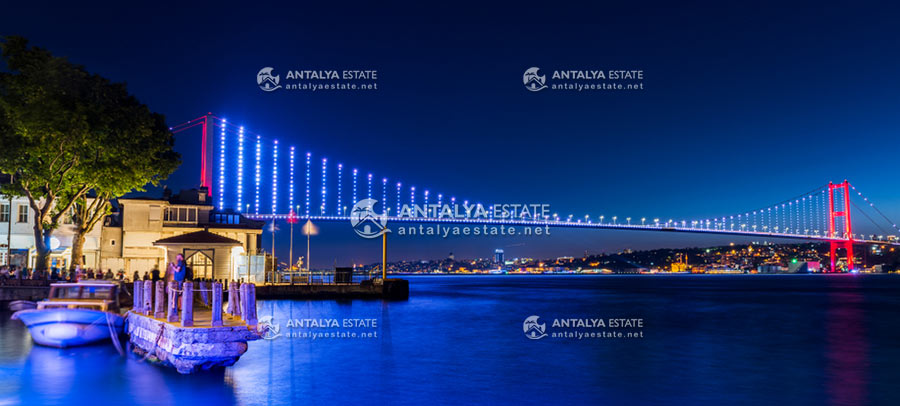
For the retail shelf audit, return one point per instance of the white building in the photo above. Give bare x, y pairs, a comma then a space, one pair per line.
140, 236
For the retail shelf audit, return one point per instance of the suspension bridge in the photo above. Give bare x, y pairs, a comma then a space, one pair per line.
242, 170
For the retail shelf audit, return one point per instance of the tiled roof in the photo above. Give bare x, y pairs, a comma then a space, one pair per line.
197, 237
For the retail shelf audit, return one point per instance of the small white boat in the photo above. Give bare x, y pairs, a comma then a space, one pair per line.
17, 305
75, 314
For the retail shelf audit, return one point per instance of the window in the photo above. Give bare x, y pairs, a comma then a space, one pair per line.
23, 213
4, 213
112, 242
181, 215
154, 213
201, 264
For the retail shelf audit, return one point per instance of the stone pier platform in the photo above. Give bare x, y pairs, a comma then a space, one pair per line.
190, 349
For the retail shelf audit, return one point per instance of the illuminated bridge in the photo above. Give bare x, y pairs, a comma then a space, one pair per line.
243, 170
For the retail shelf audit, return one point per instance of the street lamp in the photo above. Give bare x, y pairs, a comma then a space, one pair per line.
614, 220
642, 220
601, 219
628, 220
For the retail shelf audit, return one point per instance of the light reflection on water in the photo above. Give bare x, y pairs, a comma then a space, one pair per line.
458, 340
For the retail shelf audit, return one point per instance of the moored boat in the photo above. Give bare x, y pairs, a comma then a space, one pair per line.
75, 314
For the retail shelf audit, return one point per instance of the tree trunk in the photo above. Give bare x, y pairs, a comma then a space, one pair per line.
42, 261
78, 247
88, 215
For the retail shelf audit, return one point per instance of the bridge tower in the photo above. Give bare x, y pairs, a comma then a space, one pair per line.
845, 241
207, 150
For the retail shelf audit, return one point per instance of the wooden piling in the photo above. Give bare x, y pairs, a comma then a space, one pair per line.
137, 296
216, 304
250, 311
173, 302
160, 301
147, 309
204, 294
229, 308
244, 297
234, 299
187, 304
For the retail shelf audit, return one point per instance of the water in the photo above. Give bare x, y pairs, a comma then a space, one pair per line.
753, 339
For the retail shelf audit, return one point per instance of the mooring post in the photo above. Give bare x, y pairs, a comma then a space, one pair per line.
159, 305
147, 310
204, 295
250, 312
245, 301
173, 302
138, 296
187, 303
229, 309
216, 304
234, 296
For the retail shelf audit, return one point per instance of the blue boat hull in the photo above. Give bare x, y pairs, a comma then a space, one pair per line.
63, 328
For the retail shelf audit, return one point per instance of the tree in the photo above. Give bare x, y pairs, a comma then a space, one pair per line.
65, 133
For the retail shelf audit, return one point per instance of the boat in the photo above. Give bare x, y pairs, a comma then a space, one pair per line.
75, 314
17, 305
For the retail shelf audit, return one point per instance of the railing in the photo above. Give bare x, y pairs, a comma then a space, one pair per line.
160, 301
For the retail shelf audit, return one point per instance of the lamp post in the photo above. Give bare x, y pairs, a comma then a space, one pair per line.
9, 225
292, 219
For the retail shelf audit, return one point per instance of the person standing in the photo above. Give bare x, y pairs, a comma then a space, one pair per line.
178, 269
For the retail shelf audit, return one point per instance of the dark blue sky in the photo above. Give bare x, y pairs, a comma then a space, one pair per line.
742, 106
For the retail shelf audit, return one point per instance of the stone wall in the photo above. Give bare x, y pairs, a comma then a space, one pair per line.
188, 349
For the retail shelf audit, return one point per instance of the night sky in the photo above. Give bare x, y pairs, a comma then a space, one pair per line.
742, 107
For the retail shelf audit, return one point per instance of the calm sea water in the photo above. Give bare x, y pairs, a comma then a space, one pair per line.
753, 339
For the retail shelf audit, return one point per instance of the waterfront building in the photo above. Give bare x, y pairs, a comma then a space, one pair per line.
146, 233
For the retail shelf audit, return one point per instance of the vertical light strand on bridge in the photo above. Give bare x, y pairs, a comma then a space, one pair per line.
803, 222
291, 187
399, 186
426, 202
340, 188
823, 215
412, 195
369, 183
308, 169
384, 202
789, 216
355, 173
274, 179
222, 168
240, 170
324, 184
258, 166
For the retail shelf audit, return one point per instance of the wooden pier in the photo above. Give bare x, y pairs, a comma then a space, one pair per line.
188, 328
